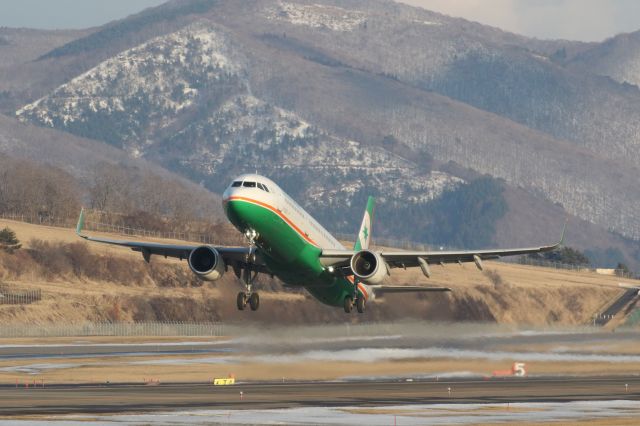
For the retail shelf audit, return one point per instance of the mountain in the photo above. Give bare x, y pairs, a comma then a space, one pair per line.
183, 100
617, 57
336, 99
19, 74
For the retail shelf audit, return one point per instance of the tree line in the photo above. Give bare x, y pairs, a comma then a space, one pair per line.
125, 195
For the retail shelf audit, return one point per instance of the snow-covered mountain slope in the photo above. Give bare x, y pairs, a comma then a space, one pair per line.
183, 100
246, 131
141, 90
617, 57
308, 91
317, 16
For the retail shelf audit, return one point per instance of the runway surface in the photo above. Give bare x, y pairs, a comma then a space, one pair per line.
119, 398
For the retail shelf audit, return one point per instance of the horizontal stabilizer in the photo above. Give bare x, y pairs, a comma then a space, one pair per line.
629, 286
381, 290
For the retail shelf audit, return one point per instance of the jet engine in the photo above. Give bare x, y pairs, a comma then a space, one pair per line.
206, 263
368, 267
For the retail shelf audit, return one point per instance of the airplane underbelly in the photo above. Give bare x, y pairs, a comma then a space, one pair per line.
332, 294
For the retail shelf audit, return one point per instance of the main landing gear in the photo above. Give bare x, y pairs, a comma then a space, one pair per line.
348, 304
360, 304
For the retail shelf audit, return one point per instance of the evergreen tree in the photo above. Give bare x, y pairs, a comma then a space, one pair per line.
565, 255
622, 269
8, 241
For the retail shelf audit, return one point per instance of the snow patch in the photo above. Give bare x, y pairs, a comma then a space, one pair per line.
163, 72
317, 16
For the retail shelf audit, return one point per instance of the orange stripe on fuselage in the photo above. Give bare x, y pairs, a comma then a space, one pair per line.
276, 211
360, 287
363, 291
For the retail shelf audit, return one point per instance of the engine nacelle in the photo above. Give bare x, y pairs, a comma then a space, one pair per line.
206, 263
368, 267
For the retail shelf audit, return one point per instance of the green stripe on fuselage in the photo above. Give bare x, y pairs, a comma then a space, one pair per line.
287, 254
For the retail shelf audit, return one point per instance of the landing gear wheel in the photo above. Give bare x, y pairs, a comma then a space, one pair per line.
241, 301
254, 301
360, 302
348, 304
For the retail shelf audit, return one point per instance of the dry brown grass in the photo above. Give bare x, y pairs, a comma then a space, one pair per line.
97, 282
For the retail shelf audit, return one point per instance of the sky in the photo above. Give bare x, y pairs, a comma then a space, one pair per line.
67, 14
585, 20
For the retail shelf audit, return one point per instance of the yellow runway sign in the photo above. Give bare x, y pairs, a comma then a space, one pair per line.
224, 382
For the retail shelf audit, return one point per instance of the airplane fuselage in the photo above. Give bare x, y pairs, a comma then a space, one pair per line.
289, 239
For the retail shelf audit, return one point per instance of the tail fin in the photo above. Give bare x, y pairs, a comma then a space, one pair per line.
364, 234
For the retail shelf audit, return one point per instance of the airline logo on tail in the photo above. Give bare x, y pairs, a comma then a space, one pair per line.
364, 234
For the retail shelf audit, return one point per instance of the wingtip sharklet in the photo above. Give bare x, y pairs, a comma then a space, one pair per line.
564, 231
80, 224
561, 241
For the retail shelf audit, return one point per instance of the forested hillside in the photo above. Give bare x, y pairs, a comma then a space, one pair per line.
467, 135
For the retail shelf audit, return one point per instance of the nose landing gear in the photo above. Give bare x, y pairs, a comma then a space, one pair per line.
241, 301
248, 275
254, 301
244, 299
248, 297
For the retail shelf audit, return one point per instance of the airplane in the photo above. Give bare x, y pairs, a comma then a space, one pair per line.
287, 242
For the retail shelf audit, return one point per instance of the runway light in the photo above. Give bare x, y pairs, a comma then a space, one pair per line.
330, 269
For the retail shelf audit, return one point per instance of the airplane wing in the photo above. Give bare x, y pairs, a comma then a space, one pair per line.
404, 259
231, 255
422, 259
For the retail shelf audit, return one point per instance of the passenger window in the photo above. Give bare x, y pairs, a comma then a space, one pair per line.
249, 184
236, 184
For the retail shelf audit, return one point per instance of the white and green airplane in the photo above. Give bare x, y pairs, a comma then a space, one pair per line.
285, 241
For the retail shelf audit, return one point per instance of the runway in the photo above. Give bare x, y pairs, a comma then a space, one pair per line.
342, 375
122, 398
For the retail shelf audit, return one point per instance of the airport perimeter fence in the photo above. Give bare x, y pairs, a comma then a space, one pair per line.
40, 220
141, 329
113, 228
525, 260
8, 297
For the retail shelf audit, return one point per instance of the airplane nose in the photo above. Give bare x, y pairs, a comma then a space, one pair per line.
227, 194
236, 211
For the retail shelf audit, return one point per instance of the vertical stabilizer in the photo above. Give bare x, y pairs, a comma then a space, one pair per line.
364, 234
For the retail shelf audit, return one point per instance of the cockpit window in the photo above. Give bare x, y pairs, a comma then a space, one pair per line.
265, 187
260, 186
249, 184
236, 184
